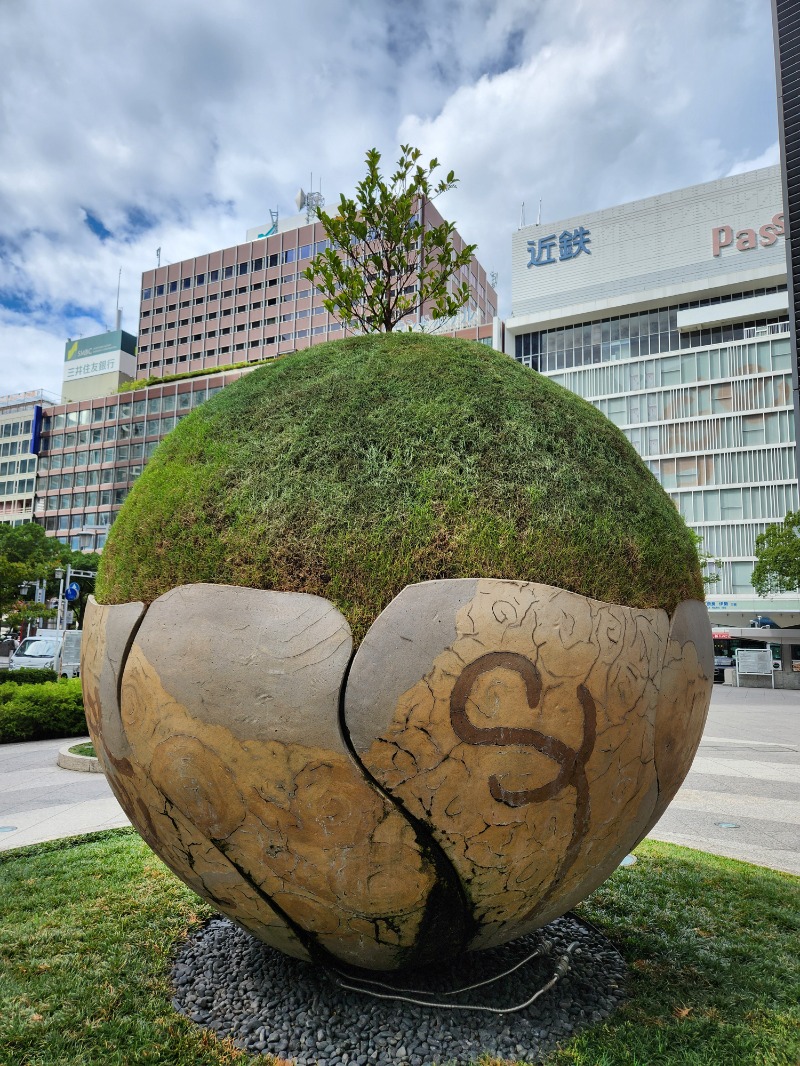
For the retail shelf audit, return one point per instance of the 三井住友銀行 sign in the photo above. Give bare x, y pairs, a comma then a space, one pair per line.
567, 245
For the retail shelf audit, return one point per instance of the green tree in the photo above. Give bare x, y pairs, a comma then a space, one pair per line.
381, 245
778, 557
27, 554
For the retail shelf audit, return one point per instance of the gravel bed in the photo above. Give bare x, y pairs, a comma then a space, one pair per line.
227, 981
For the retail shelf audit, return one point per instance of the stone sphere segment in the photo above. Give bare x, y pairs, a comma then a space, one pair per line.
497, 748
527, 742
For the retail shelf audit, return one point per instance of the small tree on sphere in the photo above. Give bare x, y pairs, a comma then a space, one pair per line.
777, 567
381, 244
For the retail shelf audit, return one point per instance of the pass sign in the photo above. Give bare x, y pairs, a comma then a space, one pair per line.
72, 592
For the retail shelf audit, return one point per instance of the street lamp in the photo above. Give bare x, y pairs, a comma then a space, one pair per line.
60, 580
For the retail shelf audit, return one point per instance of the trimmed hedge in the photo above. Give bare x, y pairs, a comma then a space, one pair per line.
29, 675
41, 712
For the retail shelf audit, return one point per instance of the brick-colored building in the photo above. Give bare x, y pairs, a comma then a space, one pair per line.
250, 302
244, 304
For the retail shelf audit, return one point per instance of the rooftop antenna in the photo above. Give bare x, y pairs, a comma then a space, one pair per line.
311, 201
539, 215
522, 216
118, 319
273, 215
158, 257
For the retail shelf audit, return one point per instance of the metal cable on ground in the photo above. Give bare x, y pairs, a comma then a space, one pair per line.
544, 948
562, 967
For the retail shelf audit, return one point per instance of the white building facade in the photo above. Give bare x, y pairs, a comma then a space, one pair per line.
670, 315
18, 413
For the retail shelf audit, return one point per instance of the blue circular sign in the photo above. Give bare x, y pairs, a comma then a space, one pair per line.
73, 591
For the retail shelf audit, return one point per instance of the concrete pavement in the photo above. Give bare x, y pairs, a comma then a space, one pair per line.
746, 773
41, 801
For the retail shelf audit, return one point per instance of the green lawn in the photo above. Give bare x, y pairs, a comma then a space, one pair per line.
84, 749
88, 927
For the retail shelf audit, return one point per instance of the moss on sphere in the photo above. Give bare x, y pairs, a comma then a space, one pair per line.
360, 466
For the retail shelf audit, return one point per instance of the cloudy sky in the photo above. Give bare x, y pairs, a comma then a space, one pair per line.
139, 124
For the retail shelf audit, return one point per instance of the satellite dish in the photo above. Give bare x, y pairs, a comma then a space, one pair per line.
300, 199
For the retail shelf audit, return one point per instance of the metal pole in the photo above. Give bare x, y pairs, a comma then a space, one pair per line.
57, 660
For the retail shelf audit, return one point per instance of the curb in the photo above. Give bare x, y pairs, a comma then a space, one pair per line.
68, 760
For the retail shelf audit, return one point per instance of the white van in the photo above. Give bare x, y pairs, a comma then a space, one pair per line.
42, 653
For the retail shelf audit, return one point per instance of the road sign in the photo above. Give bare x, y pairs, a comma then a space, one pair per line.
72, 592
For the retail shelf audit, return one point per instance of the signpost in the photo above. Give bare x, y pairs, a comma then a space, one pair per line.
749, 661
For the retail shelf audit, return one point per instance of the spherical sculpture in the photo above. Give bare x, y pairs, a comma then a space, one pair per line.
398, 649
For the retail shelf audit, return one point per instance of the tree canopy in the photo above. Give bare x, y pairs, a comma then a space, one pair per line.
27, 554
778, 557
385, 261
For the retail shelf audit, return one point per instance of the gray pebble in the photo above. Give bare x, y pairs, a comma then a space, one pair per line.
227, 981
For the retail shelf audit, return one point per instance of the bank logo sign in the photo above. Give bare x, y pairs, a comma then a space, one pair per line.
92, 347
570, 243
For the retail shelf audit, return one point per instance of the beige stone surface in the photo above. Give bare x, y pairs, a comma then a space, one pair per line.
107, 635
527, 746
311, 838
510, 743
687, 682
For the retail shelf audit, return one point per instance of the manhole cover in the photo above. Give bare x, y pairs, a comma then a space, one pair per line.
727, 825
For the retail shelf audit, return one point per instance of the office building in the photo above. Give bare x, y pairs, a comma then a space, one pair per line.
250, 302
671, 315
18, 413
242, 305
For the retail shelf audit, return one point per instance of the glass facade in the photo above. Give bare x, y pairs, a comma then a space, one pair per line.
709, 410
92, 452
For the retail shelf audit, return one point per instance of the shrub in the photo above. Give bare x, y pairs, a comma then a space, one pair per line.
360, 466
39, 712
30, 676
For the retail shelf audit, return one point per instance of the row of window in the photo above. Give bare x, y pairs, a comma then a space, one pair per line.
255, 342
736, 504
18, 466
15, 429
693, 401
644, 330
735, 578
14, 487
288, 255
254, 305
91, 498
14, 447
122, 410
732, 540
96, 456
214, 316
64, 523
758, 466
712, 434
738, 360
109, 456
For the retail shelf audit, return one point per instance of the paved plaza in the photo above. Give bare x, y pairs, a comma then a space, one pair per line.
740, 799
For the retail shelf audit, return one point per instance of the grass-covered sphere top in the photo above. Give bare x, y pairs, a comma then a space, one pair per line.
360, 466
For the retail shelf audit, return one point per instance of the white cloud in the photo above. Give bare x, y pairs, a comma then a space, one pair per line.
180, 125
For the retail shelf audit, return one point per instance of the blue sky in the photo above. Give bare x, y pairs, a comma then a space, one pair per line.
131, 126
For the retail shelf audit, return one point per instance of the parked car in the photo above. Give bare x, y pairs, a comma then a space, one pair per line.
42, 653
721, 662
7, 646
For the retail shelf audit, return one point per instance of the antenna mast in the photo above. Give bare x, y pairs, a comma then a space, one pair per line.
118, 319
